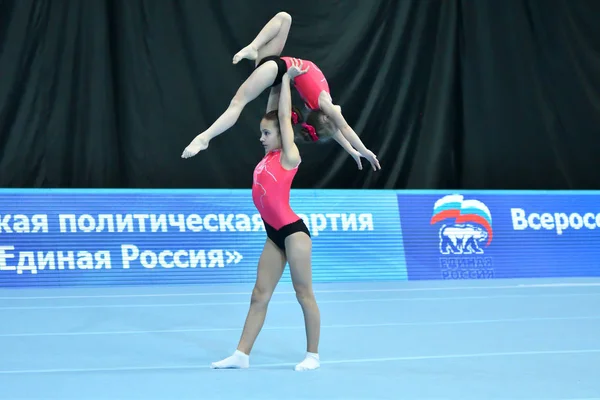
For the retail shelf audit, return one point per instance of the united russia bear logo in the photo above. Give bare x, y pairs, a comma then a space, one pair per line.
466, 225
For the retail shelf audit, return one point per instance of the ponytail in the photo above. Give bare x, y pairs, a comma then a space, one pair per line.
308, 131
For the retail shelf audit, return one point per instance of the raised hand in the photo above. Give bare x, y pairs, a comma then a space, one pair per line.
296, 68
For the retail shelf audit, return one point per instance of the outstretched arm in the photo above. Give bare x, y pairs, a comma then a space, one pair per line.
342, 141
336, 116
291, 154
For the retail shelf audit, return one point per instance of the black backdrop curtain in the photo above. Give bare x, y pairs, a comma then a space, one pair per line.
450, 94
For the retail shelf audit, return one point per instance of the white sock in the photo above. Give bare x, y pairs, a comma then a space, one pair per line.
237, 360
310, 362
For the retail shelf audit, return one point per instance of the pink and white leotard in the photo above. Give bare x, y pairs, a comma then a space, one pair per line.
271, 191
310, 84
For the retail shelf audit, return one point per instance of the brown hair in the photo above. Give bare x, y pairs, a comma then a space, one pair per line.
296, 117
272, 116
318, 123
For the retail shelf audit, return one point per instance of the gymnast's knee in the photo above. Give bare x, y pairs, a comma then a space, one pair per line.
304, 294
260, 296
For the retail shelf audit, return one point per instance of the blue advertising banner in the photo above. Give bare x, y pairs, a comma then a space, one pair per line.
131, 237
483, 235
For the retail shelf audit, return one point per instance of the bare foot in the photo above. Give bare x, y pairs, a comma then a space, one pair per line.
197, 145
247, 52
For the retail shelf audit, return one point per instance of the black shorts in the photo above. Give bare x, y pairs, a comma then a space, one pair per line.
278, 236
281, 68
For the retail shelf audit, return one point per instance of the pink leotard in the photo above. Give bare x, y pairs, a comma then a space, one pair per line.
271, 190
310, 84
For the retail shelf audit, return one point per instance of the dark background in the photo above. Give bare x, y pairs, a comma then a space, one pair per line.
450, 94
